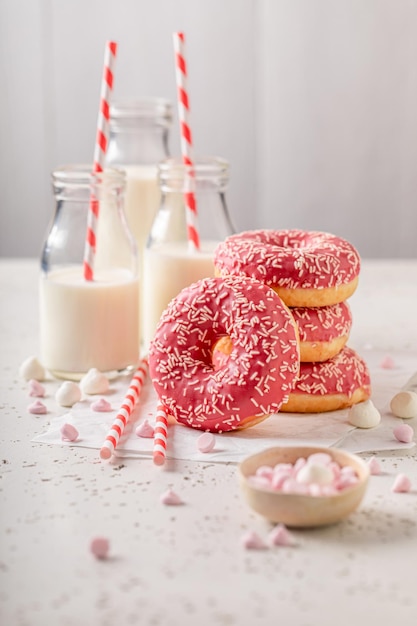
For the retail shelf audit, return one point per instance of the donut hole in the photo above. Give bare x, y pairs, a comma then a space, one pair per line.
221, 352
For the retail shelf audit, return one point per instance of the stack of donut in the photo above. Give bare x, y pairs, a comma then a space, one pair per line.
313, 273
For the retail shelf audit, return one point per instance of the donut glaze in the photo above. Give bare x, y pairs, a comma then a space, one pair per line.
337, 383
323, 331
261, 369
306, 268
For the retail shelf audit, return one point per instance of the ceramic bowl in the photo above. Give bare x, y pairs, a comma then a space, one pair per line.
301, 510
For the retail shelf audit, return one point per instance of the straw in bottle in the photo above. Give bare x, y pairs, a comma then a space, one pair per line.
130, 400
160, 436
186, 139
99, 155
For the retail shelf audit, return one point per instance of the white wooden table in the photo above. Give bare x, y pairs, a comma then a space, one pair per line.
185, 565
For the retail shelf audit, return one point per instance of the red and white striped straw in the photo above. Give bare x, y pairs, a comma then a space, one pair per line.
130, 400
160, 436
186, 139
99, 155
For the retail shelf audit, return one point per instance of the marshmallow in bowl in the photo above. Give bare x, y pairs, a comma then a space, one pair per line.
31, 368
68, 394
364, 415
94, 382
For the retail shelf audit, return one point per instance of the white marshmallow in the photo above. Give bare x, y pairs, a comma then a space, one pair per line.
68, 394
364, 415
94, 382
32, 368
404, 404
315, 473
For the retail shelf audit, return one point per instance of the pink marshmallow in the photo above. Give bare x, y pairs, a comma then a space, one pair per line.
320, 458
402, 484
252, 541
387, 363
170, 498
266, 471
145, 430
374, 466
404, 433
37, 408
280, 536
100, 546
36, 390
101, 406
206, 442
69, 432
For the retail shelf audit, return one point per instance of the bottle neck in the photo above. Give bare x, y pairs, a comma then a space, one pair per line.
140, 145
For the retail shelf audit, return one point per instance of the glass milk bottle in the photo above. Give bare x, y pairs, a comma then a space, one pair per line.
84, 323
138, 140
170, 263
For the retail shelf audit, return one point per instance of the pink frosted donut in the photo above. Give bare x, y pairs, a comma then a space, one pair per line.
335, 384
305, 268
261, 369
323, 331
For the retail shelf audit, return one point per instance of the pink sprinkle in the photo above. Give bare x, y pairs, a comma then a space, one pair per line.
37, 408
374, 466
404, 433
36, 390
170, 498
69, 432
402, 484
101, 406
387, 363
206, 442
99, 546
145, 430
252, 541
280, 536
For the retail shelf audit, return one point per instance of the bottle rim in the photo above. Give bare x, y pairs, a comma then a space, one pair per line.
141, 111
202, 167
82, 174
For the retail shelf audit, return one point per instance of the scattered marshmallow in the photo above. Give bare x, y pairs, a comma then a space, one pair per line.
69, 432
387, 363
206, 442
100, 546
402, 484
252, 541
32, 368
374, 466
36, 390
37, 408
68, 394
101, 406
145, 430
404, 404
170, 498
364, 415
404, 433
280, 536
94, 382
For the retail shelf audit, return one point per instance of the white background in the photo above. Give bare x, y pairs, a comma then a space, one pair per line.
314, 102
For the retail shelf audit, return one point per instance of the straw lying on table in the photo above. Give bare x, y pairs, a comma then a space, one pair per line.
186, 140
160, 436
123, 415
99, 155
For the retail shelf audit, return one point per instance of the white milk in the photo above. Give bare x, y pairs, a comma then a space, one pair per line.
141, 201
167, 270
88, 324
